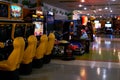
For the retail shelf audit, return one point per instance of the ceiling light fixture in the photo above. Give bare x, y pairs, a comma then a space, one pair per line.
111, 11
82, 0
85, 8
113, 0
80, 5
99, 9
106, 8
88, 14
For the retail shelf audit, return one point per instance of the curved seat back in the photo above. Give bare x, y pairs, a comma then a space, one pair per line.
41, 49
13, 60
29, 52
51, 41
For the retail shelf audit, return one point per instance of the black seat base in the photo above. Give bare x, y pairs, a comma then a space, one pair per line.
25, 69
47, 59
37, 63
9, 75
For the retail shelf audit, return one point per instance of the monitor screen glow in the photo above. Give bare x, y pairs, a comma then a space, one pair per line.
16, 11
38, 28
108, 25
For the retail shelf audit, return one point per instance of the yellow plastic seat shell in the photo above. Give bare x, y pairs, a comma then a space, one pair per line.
41, 47
13, 61
30, 51
51, 41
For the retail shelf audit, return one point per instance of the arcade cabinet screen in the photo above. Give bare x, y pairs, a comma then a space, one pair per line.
5, 32
29, 30
16, 11
50, 17
4, 10
19, 30
108, 25
38, 28
50, 13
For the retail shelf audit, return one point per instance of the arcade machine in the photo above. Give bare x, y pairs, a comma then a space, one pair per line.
38, 21
5, 31
58, 27
29, 30
16, 15
84, 39
97, 26
64, 45
5, 38
4, 8
70, 29
49, 22
18, 30
66, 30
9, 15
108, 28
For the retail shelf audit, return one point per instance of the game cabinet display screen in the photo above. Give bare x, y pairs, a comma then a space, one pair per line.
38, 28
29, 30
19, 30
16, 11
4, 10
5, 32
108, 25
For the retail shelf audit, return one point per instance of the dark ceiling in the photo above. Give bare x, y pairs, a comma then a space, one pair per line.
89, 6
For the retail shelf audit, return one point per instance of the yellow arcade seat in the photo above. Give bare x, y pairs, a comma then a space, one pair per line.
29, 53
51, 41
9, 67
40, 51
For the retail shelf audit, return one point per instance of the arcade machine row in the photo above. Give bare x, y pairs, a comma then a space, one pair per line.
11, 26
23, 30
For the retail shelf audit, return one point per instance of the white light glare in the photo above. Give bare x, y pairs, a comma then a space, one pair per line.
82, 0
106, 8
85, 8
79, 12
100, 9
88, 14
80, 5
111, 11
113, 0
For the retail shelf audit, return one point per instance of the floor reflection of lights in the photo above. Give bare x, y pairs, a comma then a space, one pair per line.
103, 49
119, 56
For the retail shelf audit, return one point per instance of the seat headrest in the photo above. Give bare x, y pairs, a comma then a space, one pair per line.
32, 39
44, 38
51, 35
18, 41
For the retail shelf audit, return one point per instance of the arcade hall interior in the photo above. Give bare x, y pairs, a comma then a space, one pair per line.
59, 40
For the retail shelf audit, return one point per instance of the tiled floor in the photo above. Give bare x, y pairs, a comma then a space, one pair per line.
102, 63
103, 49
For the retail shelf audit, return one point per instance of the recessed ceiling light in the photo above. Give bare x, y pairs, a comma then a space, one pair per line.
82, 0
100, 9
106, 8
100, 16
85, 8
111, 11
80, 5
88, 14
113, 0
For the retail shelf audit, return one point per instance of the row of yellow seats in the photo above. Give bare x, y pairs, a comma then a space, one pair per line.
10, 68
